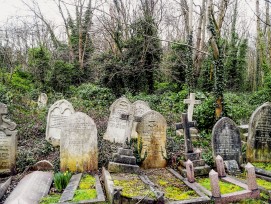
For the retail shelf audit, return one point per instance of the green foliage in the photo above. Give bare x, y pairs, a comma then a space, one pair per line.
87, 182
22, 81
265, 166
61, 180
4, 94
50, 199
85, 194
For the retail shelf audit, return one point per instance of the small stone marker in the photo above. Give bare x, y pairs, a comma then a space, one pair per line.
120, 121
56, 119
192, 102
8, 142
78, 144
190, 171
251, 177
226, 140
71, 187
140, 108
152, 136
214, 184
232, 167
259, 139
31, 188
42, 100
220, 166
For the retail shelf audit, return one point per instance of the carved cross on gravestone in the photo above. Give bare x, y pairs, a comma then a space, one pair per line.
186, 125
192, 102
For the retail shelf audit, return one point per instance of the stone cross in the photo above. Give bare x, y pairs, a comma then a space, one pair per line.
186, 125
192, 102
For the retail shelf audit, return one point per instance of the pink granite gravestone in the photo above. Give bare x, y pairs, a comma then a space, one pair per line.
214, 184
251, 177
190, 171
220, 166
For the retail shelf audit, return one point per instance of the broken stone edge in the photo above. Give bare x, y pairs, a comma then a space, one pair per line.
4, 187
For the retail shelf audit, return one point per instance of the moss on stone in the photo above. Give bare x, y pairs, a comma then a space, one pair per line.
50, 199
266, 166
225, 187
84, 194
263, 183
87, 182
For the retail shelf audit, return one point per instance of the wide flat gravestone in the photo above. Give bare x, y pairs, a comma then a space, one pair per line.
31, 188
8, 142
78, 144
42, 100
119, 128
152, 138
226, 140
259, 135
140, 107
56, 119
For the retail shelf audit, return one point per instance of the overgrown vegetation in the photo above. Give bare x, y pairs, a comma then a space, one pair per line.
61, 180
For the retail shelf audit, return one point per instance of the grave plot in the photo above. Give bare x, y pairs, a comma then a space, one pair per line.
82, 188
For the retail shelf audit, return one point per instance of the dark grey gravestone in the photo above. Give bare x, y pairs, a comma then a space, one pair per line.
232, 167
71, 188
226, 140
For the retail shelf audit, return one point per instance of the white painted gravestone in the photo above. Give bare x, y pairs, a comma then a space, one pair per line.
78, 144
31, 188
152, 138
56, 118
42, 100
140, 107
191, 103
120, 121
8, 142
259, 135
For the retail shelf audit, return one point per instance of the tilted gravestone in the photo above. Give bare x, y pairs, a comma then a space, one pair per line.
56, 118
140, 108
31, 188
78, 144
8, 142
42, 100
226, 140
120, 121
259, 135
152, 139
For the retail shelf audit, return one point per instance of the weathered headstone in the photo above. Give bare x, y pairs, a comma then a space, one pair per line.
152, 138
31, 188
140, 108
120, 121
259, 135
56, 119
226, 140
8, 142
42, 100
191, 103
78, 144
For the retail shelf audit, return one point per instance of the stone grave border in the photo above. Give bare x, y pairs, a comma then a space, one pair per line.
4, 187
100, 194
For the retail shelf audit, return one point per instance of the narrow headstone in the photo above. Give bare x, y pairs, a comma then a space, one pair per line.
120, 121
78, 144
259, 140
56, 119
191, 103
31, 188
214, 184
190, 171
42, 100
140, 108
8, 142
226, 140
152, 138
251, 177
220, 166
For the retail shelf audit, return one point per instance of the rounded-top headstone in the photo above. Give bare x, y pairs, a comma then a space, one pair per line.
152, 140
42, 100
226, 140
56, 119
259, 135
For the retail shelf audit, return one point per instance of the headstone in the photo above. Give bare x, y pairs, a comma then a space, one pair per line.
190, 171
226, 140
42, 100
78, 144
191, 103
152, 138
140, 108
251, 177
120, 121
31, 188
8, 142
56, 119
232, 167
220, 166
214, 184
259, 135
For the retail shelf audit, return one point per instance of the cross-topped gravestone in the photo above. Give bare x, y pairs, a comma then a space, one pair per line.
192, 102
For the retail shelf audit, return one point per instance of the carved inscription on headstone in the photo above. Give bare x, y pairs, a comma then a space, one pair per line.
119, 128
31, 188
140, 107
78, 144
226, 140
259, 135
152, 139
56, 119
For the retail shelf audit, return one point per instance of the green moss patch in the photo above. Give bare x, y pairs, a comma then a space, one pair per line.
266, 166
85, 194
132, 186
263, 183
225, 187
87, 182
173, 188
50, 199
